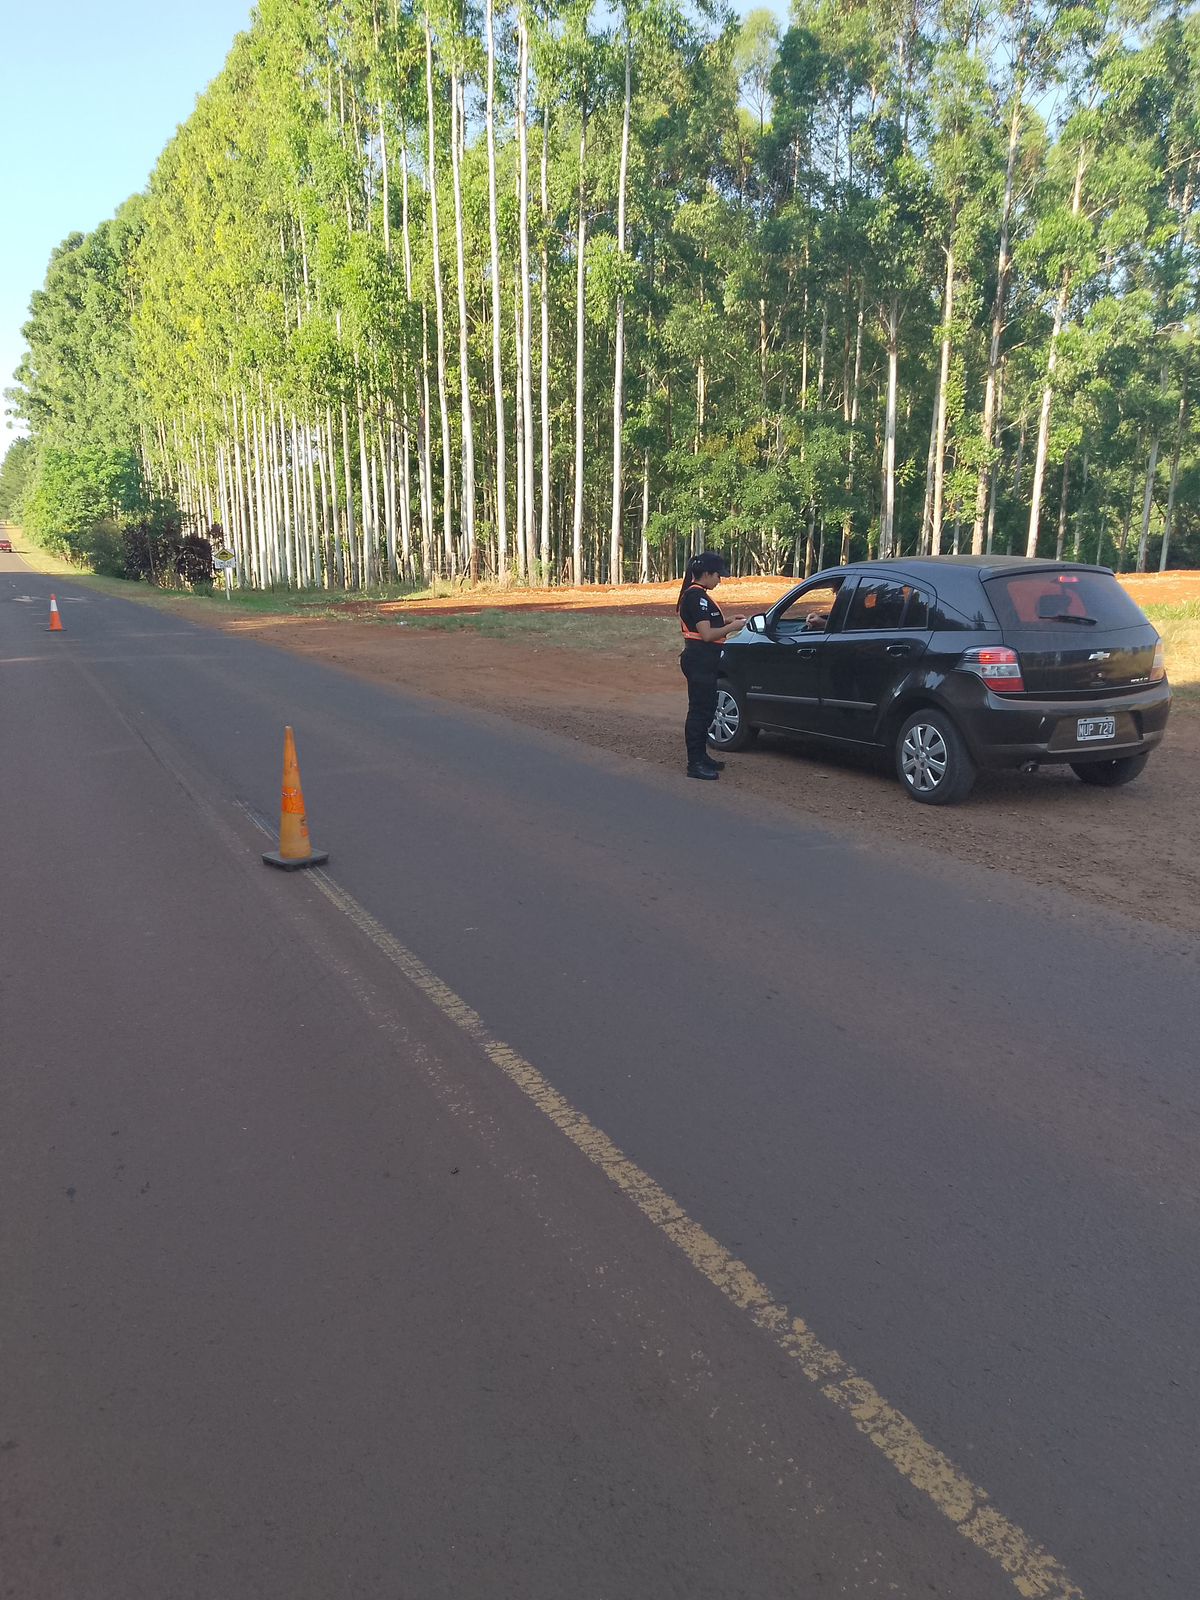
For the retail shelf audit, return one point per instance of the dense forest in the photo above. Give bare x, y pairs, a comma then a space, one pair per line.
562, 293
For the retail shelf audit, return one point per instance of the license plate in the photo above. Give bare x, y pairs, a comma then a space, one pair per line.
1096, 728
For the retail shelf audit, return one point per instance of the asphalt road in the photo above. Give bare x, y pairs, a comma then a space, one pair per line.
305, 1298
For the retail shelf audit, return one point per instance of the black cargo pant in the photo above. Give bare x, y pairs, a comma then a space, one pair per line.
700, 664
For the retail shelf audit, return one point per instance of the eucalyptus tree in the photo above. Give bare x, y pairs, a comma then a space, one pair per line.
962, 163
580, 69
494, 276
448, 546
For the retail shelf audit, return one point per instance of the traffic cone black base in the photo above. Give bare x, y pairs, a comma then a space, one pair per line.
274, 859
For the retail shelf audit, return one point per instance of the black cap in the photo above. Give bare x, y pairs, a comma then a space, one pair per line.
710, 561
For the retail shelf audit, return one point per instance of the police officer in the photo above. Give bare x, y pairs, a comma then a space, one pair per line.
704, 629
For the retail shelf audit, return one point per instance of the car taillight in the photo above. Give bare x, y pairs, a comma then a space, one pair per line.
998, 666
1158, 670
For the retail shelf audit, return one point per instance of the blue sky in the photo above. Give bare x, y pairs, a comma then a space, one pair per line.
89, 95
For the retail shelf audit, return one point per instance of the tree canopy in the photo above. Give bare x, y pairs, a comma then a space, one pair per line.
548, 290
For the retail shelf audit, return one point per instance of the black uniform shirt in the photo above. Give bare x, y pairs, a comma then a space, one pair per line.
696, 606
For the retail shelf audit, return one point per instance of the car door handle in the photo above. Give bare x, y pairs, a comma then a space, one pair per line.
806, 650
899, 649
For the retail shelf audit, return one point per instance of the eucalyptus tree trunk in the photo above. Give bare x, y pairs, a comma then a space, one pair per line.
1062, 510
328, 504
288, 521
350, 549
1124, 545
494, 246
370, 526
337, 576
804, 343
208, 504
457, 138
524, 570
644, 552
406, 435
448, 553
383, 149
544, 287
995, 476
615, 553
404, 492
258, 500
1060, 316
385, 453
253, 561
426, 454
223, 495
526, 340
1000, 298
939, 461
300, 502
580, 288
930, 457
314, 508
1168, 524
280, 551
1148, 500
280, 499
852, 419
887, 521
241, 533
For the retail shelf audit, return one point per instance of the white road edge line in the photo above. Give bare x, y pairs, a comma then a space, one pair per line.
1035, 1574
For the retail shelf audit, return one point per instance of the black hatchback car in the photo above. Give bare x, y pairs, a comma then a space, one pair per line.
951, 664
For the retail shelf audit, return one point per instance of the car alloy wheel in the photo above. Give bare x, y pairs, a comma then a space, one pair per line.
924, 758
727, 721
933, 761
729, 729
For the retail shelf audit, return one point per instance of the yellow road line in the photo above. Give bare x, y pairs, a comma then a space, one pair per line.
1034, 1572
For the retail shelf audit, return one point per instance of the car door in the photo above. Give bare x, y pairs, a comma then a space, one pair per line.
783, 689
883, 633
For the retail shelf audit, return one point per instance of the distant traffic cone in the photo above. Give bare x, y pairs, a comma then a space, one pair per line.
55, 620
294, 848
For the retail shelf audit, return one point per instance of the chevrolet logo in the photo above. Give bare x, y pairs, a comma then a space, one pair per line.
1100, 655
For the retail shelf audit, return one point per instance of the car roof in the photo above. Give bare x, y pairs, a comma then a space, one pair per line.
993, 566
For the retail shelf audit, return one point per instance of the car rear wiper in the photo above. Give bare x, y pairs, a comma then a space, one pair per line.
1065, 616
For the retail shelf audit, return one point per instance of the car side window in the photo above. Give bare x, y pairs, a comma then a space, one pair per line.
918, 610
809, 612
877, 603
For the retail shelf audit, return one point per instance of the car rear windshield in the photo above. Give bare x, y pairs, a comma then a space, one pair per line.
1087, 600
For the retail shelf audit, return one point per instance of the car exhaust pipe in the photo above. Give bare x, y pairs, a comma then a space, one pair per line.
1029, 766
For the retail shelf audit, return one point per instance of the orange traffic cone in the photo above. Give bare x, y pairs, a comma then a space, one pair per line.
294, 849
55, 620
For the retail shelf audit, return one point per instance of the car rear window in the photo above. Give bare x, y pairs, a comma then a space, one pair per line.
1048, 600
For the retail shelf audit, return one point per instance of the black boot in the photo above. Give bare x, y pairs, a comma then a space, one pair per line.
701, 769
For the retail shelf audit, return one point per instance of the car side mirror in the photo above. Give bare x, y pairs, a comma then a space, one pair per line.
758, 624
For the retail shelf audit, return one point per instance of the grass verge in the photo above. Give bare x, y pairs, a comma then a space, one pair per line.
1179, 626
586, 631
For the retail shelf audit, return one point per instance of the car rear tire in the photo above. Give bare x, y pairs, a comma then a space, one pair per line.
729, 729
932, 761
1110, 774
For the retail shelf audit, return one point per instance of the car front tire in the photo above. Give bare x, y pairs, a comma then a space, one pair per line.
729, 729
932, 761
1110, 774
